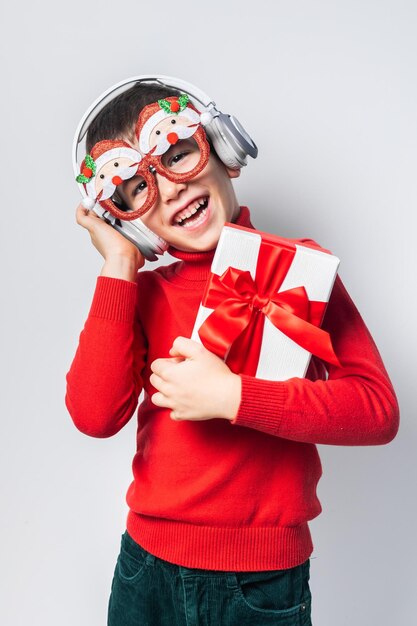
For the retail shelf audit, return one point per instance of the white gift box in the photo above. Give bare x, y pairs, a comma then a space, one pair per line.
280, 357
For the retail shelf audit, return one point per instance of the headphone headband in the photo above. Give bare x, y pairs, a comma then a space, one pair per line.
166, 81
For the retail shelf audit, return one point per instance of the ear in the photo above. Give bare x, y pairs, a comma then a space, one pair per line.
233, 173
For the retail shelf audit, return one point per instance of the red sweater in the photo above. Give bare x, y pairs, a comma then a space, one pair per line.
217, 494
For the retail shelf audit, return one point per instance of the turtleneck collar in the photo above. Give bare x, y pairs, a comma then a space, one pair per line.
194, 266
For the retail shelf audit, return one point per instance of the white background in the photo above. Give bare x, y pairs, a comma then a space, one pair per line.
328, 90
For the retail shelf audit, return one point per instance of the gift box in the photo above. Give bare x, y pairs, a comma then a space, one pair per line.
264, 302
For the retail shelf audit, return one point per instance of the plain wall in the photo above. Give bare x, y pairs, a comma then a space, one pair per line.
328, 91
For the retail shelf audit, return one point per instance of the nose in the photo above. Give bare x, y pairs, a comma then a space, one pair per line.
168, 190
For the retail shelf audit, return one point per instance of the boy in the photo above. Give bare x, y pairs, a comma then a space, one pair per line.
226, 467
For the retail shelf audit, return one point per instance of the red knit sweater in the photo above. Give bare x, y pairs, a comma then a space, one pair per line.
218, 494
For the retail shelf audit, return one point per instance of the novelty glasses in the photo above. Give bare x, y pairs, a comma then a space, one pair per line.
171, 141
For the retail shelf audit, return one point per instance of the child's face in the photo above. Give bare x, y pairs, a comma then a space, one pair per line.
208, 199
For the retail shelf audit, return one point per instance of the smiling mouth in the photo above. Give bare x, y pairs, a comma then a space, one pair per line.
192, 215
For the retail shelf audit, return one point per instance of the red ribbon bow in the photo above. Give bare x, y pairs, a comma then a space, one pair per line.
234, 329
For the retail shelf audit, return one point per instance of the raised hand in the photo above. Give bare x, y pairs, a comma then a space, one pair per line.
122, 258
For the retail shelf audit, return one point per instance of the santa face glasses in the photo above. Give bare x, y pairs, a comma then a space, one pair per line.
171, 142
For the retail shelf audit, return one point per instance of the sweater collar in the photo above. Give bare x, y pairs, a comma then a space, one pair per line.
196, 265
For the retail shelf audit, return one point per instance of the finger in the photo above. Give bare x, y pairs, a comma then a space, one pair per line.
161, 366
176, 359
159, 399
159, 384
185, 347
80, 214
84, 217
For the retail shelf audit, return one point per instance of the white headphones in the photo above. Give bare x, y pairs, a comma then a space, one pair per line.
228, 137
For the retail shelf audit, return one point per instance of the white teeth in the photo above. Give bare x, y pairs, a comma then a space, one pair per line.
198, 219
189, 211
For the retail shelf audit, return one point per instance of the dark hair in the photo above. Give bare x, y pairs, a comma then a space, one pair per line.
119, 116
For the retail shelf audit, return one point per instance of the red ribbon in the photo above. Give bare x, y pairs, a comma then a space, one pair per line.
234, 329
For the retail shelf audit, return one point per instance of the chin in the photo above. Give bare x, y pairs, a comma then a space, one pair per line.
210, 241
198, 246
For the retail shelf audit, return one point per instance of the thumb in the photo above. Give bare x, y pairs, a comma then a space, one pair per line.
186, 348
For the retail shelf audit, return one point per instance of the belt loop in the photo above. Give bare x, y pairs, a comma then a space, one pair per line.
231, 581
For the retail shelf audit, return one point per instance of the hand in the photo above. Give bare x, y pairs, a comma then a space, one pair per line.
195, 384
122, 258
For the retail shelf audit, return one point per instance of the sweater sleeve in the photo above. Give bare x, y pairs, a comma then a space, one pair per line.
104, 380
356, 405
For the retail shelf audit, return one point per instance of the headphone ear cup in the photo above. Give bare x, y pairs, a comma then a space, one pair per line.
225, 153
145, 239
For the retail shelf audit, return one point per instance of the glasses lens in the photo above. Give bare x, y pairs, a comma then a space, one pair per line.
140, 191
135, 191
182, 157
